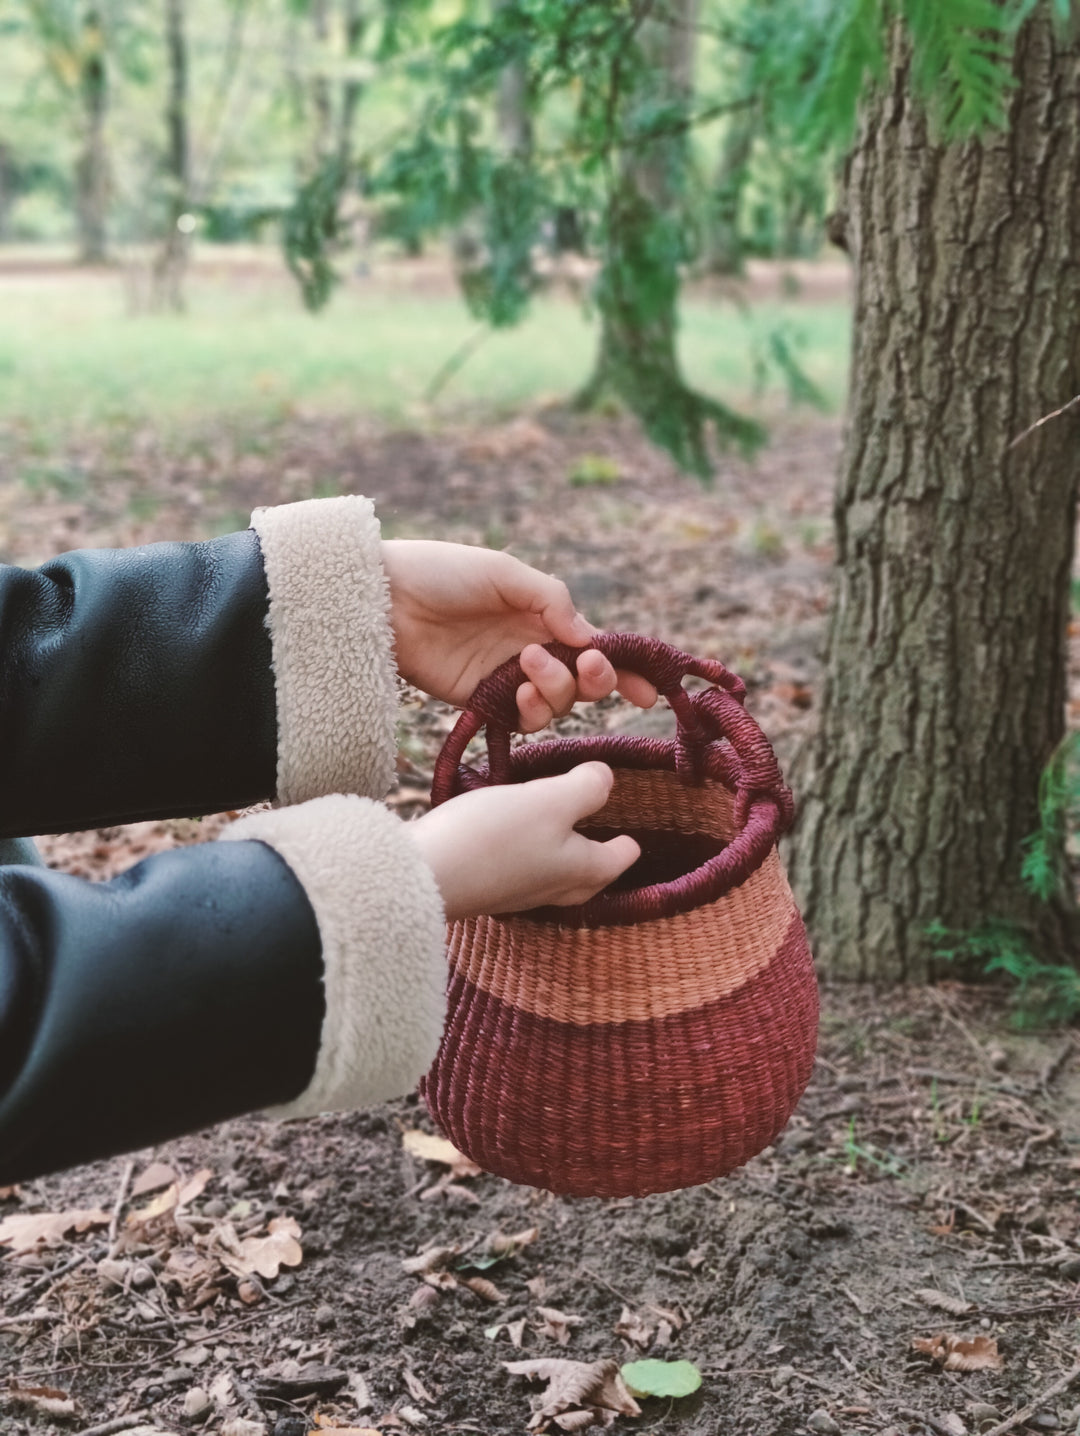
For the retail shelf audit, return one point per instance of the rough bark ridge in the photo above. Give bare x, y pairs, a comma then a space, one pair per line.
944, 687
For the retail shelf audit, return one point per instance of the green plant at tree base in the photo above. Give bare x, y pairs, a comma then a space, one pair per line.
1044, 994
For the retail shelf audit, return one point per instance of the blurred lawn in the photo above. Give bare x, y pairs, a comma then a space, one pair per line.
71, 356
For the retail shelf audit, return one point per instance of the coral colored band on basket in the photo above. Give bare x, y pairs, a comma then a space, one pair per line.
745, 764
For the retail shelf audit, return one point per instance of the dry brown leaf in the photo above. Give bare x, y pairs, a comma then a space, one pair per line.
591, 1387
557, 1324
957, 1353
9, 1194
172, 1199
324, 1425
417, 1390
259, 1256
156, 1176
44, 1401
942, 1301
438, 1149
22, 1232
481, 1287
432, 1260
515, 1330
634, 1330
501, 1245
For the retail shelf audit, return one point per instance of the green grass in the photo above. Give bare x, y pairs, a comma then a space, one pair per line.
71, 357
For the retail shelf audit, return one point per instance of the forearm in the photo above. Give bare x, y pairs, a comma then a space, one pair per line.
296, 966
180, 679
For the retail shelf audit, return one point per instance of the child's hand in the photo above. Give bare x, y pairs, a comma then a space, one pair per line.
458, 612
511, 848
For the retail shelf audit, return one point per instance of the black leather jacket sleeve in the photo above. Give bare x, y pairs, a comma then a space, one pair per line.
186, 991
135, 683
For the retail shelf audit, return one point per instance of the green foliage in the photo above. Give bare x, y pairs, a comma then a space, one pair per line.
1043, 869
1044, 994
310, 229
661, 1378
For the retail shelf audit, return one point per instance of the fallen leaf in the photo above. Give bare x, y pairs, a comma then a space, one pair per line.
172, 1199
417, 1390
633, 1329
221, 1391
156, 1176
591, 1387
661, 1378
557, 1324
10, 1194
954, 1305
486, 1290
261, 1256
44, 1401
434, 1259
498, 1247
343, 1430
955, 1353
24, 1232
438, 1149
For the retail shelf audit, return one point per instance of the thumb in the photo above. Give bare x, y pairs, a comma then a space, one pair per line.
585, 789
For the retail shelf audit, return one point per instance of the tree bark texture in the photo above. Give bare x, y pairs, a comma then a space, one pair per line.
92, 165
944, 687
513, 103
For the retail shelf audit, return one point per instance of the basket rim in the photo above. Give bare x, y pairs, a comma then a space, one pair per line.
762, 825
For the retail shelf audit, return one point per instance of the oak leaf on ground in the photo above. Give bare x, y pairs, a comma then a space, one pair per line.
576, 1390
24, 1231
260, 1256
438, 1149
957, 1353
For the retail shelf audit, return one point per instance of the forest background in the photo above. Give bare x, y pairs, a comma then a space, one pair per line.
597, 283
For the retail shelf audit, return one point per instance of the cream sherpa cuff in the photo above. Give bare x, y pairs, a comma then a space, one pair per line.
332, 647
381, 921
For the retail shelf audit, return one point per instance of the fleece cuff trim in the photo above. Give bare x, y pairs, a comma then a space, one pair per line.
332, 647
382, 925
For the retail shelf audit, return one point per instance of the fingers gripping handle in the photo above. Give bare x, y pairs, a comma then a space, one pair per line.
701, 717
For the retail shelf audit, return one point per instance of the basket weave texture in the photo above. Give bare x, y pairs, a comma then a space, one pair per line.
661, 1034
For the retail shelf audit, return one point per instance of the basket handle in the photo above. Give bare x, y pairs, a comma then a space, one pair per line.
701, 718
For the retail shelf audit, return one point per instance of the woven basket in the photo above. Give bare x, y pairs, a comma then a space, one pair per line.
660, 1034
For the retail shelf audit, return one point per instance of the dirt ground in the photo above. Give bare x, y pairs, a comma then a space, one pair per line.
925, 1190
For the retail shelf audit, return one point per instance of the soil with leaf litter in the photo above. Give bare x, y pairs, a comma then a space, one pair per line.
905, 1258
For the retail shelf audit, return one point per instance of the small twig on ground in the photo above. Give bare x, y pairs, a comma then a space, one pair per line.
121, 1197
1074, 403
626, 1300
52, 1277
117, 1423
30, 1316
1038, 1139
1043, 1399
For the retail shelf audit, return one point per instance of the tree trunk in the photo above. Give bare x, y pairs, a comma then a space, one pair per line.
513, 107
944, 688
92, 166
321, 104
7, 189
173, 257
352, 88
638, 289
